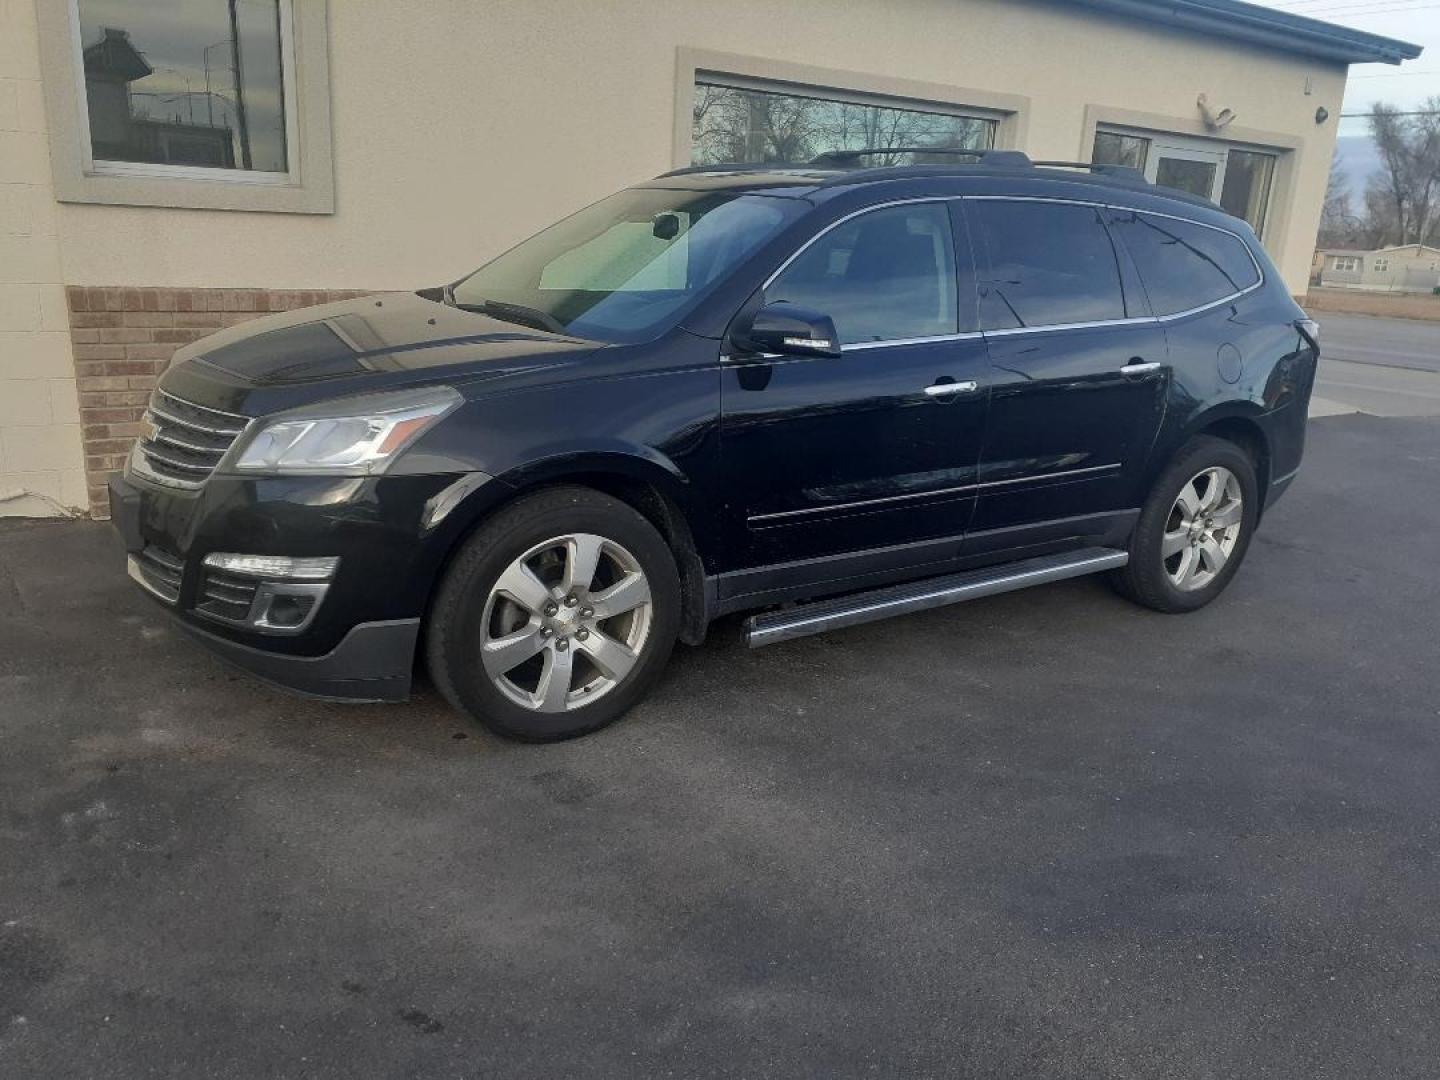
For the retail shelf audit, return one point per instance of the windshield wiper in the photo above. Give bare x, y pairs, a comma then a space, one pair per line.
516, 313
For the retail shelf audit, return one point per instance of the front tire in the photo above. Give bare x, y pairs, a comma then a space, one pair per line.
1194, 529
555, 617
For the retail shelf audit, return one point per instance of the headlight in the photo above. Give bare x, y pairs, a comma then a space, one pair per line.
352, 437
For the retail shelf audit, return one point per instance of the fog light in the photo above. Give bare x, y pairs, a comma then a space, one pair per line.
273, 567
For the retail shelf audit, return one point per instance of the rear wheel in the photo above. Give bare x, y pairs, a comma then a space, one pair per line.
555, 617
1194, 529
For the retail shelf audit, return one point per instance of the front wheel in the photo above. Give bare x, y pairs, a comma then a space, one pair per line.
555, 617
1194, 529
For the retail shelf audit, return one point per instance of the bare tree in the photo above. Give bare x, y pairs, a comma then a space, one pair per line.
1402, 201
1339, 226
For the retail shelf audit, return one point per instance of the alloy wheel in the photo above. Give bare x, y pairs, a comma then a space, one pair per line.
1203, 528
565, 622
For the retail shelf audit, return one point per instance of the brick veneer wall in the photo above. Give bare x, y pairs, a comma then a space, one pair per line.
124, 338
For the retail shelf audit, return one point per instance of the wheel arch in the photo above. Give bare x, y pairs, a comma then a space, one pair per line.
1241, 424
649, 484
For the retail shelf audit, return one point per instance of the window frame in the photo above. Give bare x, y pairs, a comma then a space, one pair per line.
692, 65
306, 187
1382, 266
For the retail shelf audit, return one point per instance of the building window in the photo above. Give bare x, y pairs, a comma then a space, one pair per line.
740, 121
1113, 148
217, 104
1382, 266
1239, 179
1345, 264
180, 83
1246, 189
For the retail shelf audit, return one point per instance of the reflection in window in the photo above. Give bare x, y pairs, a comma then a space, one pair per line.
1246, 191
1185, 266
197, 83
1112, 148
1051, 264
733, 124
887, 275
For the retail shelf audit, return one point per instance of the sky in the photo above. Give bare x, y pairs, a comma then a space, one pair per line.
1415, 21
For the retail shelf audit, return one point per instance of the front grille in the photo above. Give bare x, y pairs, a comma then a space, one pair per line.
158, 571
181, 443
225, 596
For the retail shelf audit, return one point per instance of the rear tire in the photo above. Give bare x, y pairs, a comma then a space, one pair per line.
555, 617
1194, 529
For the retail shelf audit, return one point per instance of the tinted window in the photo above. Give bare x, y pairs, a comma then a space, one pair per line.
1184, 265
883, 276
1049, 264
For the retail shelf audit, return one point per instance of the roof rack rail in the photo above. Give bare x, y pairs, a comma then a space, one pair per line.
1114, 172
1013, 159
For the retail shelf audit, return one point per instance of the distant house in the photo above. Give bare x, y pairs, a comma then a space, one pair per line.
1411, 268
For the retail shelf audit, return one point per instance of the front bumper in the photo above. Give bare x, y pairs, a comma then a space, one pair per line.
373, 662
360, 643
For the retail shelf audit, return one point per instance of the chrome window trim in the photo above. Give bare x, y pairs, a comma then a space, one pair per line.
780, 515
888, 343
1048, 327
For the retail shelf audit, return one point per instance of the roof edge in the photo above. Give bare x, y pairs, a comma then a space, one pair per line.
1268, 27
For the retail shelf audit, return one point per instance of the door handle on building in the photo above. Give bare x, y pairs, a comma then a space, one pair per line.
945, 389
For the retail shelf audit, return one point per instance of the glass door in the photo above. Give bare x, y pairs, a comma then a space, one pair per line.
1238, 178
1199, 172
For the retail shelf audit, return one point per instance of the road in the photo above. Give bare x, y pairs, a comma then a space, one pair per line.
1384, 367
1368, 339
1047, 834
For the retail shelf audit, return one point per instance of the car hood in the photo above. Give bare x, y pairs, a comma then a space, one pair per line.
370, 343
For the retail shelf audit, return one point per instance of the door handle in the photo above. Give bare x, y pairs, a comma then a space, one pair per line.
1140, 368
945, 389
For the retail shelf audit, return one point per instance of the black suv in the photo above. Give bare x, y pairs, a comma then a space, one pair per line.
828, 393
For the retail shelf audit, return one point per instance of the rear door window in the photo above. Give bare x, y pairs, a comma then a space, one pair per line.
888, 275
1049, 264
1184, 265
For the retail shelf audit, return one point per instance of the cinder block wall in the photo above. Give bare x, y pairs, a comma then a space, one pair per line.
41, 471
124, 338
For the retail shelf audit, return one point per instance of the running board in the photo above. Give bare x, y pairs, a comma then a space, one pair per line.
823, 615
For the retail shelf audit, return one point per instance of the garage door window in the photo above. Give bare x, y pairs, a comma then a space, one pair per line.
735, 122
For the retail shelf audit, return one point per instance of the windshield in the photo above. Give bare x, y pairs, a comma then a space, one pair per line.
629, 266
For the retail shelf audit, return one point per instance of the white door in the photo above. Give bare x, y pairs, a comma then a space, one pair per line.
1200, 171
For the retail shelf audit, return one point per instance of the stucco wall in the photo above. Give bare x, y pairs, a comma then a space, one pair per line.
459, 128
40, 461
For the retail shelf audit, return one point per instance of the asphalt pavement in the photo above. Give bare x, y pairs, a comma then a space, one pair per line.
1047, 834
1383, 367
1370, 339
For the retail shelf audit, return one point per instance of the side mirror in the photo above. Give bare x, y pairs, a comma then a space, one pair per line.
790, 330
